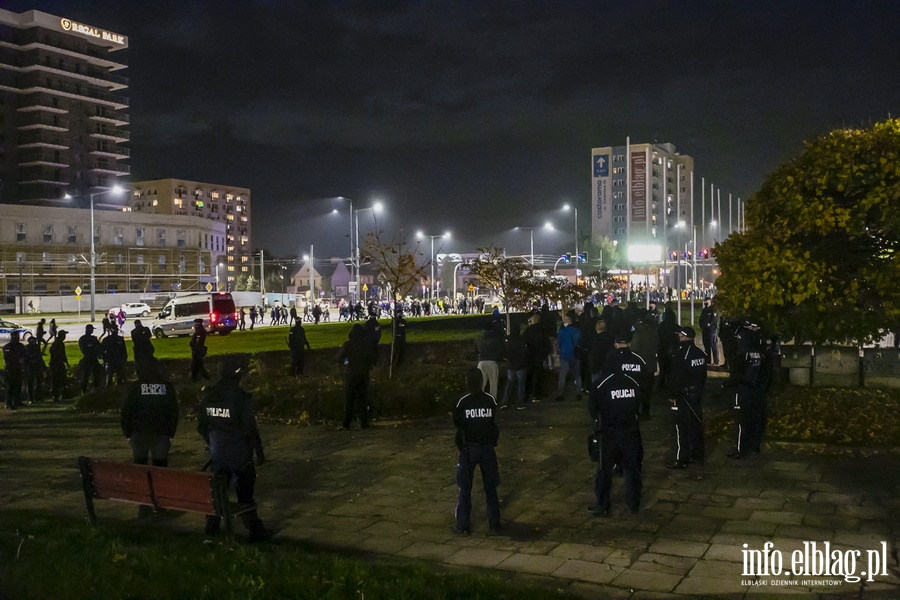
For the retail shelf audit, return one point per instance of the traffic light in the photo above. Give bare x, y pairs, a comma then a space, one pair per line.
566, 258
704, 253
582, 257
689, 255
673, 255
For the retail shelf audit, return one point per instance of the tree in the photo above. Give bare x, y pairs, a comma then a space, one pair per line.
399, 270
818, 261
504, 274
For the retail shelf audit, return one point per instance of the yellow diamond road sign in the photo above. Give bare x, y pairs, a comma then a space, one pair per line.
78, 291
208, 287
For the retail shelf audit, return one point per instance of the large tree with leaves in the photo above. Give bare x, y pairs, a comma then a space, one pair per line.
505, 274
819, 259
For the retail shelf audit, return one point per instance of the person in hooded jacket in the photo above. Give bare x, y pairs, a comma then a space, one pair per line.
59, 365
356, 360
226, 421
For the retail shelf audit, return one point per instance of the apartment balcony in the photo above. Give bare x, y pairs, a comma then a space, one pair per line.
110, 169
111, 133
111, 151
38, 120
111, 117
42, 102
33, 83
45, 158
42, 175
43, 139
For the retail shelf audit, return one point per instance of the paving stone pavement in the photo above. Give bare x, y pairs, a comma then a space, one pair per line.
390, 490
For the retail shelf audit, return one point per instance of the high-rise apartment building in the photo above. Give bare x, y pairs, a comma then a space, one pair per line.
640, 193
225, 203
63, 118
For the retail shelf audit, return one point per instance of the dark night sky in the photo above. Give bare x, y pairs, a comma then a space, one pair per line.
480, 116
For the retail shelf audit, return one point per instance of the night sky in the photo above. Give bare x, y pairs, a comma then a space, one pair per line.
480, 116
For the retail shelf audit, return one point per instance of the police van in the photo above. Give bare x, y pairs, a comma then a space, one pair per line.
177, 317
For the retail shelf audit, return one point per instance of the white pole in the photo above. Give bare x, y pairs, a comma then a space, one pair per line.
262, 275
312, 289
93, 260
719, 210
730, 225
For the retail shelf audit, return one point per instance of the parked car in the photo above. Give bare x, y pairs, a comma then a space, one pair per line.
136, 309
7, 327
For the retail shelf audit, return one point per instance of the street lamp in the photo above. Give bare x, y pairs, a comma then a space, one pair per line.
218, 268
547, 225
421, 235
350, 201
376, 208
115, 190
569, 207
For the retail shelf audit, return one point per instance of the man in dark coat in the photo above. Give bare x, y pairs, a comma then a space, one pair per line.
14, 366
198, 351
298, 345
115, 356
356, 360
142, 343
59, 365
227, 423
90, 358
35, 369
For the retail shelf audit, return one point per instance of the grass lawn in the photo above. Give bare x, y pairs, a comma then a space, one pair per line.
47, 557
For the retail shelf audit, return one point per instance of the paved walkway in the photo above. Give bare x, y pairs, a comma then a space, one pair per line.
390, 490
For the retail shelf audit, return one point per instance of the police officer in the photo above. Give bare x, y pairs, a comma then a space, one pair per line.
476, 440
750, 381
615, 405
298, 343
90, 358
59, 365
149, 415
115, 356
14, 365
198, 351
622, 360
227, 422
709, 325
687, 382
141, 338
35, 369
399, 338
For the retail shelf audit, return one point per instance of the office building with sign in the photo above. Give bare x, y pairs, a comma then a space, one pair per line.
226, 204
64, 113
639, 194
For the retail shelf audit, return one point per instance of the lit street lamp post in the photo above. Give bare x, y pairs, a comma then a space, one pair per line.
569, 207
116, 190
375, 208
547, 225
421, 235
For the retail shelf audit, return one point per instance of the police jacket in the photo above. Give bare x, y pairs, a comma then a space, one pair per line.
90, 347
489, 346
58, 359
198, 340
750, 369
227, 423
297, 338
623, 360
709, 318
140, 337
474, 420
150, 407
33, 357
356, 357
688, 369
616, 402
14, 357
114, 350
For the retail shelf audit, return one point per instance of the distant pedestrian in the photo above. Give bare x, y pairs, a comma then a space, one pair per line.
476, 439
252, 317
40, 333
568, 341
90, 359
293, 315
52, 331
243, 319
198, 351
59, 365
516, 354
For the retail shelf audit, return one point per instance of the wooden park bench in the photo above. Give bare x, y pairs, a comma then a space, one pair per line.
159, 487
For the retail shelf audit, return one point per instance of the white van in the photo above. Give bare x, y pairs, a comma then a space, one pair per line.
177, 317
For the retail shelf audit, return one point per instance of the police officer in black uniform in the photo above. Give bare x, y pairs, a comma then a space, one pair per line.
14, 365
356, 360
198, 351
298, 344
615, 404
149, 415
227, 422
750, 382
399, 338
141, 338
476, 439
115, 356
622, 360
90, 358
35, 369
687, 382
59, 365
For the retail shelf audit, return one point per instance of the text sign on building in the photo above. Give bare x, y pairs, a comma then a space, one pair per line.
601, 219
639, 187
106, 36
